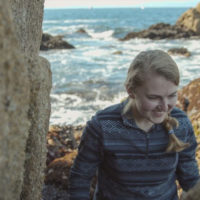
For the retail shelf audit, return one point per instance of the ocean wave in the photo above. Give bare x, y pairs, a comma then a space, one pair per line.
121, 32
101, 35
51, 21
81, 21
70, 109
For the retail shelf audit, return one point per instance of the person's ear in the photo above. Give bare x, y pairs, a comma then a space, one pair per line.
130, 92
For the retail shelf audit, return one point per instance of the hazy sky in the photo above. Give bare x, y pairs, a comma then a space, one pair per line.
119, 3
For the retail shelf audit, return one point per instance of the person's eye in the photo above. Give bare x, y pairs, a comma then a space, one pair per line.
173, 95
152, 97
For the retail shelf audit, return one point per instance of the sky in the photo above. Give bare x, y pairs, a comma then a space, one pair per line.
118, 3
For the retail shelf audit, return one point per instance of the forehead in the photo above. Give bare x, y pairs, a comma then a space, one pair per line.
158, 85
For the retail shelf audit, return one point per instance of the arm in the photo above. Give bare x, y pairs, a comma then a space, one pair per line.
187, 169
86, 162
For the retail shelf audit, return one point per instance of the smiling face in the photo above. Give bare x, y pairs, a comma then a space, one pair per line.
154, 99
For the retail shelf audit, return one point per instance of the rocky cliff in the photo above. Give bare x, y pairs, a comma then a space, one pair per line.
25, 83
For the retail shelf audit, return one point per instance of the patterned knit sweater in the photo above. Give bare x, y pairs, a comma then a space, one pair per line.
132, 164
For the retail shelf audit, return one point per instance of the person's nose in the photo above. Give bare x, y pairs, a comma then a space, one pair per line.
164, 105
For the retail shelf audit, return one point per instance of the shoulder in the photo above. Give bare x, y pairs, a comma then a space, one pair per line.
102, 117
111, 112
178, 114
181, 116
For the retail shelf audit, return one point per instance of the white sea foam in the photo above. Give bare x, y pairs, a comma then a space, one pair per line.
51, 21
101, 35
84, 21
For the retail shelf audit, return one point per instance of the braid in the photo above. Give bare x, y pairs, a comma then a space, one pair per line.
174, 145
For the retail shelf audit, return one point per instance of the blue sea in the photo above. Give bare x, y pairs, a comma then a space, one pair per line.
91, 76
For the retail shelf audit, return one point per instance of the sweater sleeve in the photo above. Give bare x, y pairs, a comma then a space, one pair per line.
187, 170
87, 161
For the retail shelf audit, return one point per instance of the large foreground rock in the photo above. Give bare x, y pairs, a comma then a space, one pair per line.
14, 105
39, 113
25, 83
28, 17
190, 20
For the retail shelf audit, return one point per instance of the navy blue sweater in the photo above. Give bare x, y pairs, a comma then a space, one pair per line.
132, 164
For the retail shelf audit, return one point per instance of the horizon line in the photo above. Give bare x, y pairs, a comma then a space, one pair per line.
107, 7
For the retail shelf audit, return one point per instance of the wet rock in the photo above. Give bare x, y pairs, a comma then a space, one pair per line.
118, 53
179, 51
61, 141
57, 172
190, 20
161, 31
81, 30
54, 42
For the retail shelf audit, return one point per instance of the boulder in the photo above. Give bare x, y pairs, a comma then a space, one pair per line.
54, 42
179, 51
27, 16
38, 114
161, 31
14, 105
190, 20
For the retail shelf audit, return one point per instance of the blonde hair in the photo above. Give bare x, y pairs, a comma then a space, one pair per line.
159, 62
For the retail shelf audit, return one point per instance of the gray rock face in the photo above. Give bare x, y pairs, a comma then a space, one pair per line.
25, 83
14, 105
39, 113
28, 17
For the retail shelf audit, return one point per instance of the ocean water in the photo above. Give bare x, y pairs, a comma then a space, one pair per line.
91, 76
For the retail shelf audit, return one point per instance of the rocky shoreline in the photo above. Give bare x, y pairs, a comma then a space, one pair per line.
186, 27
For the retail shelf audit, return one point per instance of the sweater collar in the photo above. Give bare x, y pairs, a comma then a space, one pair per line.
130, 122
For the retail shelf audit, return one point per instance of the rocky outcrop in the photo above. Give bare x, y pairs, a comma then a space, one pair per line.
191, 94
161, 31
38, 114
179, 51
14, 105
190, 20
54, 42
187, 26
25, 83
82, 31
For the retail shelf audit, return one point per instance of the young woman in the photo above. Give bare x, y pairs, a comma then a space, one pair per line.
141, 146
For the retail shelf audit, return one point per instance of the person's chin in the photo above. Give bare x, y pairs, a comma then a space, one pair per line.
158, 118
